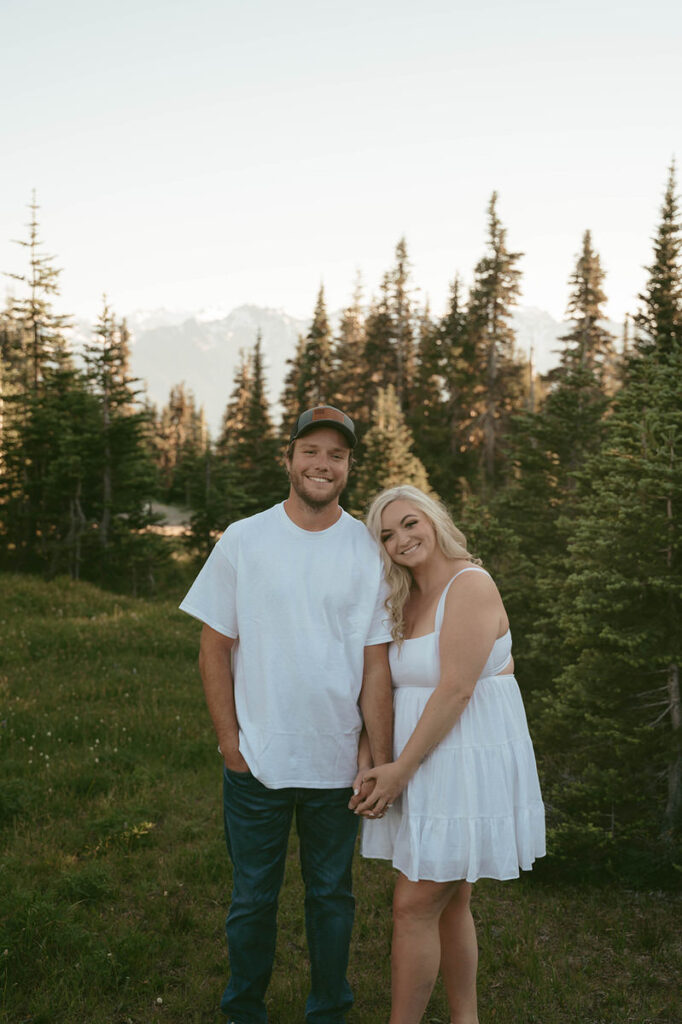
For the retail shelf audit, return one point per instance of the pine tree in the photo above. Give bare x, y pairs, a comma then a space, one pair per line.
659, 321
316, 369
616, 786
588, 345
292, 400
181, 438
498, 378
463, 394
390, 351
403, 322
429, 419
258, 457
125, 478
547, 448
350, 370
248, 448
387, 458
35, 364
42, 343
380, 355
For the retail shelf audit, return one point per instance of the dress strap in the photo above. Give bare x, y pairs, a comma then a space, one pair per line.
440, 610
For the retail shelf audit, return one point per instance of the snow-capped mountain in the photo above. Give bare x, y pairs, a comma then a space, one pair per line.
202, 348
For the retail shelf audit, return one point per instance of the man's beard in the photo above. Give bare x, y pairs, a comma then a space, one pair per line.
313, 503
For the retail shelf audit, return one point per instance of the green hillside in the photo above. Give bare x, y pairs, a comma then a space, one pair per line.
114, 880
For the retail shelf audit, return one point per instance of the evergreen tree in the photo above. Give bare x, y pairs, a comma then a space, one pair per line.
498, 378
180, 441
316, 367
387, 457
429, 419
463, 394
617, 786
350, 370
293, 392
612, 725
41, 343
588, 345
403, 323
252, 472
547, 448
258, 457
659, 321
380, 356
390, 351
125, 478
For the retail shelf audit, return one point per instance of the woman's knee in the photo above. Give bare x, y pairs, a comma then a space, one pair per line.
421, 899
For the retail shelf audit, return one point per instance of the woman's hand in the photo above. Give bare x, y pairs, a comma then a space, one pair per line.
361, 789
389, 782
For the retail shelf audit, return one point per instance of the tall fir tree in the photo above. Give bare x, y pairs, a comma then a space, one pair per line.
659, 320
429, 416
494, 293
292, 399
463, 393
42, 342
125, 478
387, 458
316, 366
617, 786
587, 344
547, 448
252, 469
611, 726
390, 350
403, 323
380, 356
180, 440
350, 371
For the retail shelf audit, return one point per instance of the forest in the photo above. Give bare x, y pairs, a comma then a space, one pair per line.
567, 485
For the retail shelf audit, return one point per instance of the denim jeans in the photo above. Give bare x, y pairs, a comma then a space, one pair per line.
257, 825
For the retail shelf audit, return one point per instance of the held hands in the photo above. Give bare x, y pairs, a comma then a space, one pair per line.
361, 790
387, 783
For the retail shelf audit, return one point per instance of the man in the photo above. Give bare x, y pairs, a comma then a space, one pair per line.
293, 648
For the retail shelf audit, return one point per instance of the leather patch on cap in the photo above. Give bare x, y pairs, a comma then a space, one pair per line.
327, 413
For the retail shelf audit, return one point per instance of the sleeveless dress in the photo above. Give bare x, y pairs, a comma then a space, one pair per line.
473, 808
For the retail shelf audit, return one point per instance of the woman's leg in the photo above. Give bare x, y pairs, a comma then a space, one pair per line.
459, 956
416, 950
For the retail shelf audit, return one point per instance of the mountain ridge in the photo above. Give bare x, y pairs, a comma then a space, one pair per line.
201, 348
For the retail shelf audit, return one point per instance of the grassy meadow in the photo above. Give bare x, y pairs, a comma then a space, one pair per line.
114, 881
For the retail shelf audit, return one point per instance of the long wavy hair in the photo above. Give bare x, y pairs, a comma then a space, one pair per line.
451, 541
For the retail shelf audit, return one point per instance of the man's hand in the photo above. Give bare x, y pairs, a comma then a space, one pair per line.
388, 781
234, 761
361, 790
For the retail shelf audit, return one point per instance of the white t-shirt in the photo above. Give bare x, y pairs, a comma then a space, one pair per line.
303, 605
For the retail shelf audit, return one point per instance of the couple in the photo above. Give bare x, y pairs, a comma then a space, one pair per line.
303, 609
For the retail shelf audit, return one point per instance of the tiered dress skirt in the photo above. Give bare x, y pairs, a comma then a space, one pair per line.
473, 809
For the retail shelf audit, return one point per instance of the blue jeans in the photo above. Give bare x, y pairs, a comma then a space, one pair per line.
257, 825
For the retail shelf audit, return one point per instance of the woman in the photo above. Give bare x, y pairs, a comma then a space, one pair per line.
461, 800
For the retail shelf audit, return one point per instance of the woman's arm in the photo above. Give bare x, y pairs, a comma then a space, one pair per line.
471, 623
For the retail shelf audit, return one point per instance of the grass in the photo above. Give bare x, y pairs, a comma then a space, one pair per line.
114, 881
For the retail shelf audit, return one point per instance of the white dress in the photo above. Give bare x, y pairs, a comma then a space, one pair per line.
473, 808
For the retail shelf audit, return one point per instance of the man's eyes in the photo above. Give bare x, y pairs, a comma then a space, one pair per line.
337, 456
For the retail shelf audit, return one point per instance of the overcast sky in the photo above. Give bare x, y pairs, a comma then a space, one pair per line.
208, 154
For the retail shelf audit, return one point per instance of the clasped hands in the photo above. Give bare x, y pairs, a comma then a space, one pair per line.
375, 789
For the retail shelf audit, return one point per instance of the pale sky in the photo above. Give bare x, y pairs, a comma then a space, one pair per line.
209, 154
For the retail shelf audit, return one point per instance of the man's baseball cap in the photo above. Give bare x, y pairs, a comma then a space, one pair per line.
324, 416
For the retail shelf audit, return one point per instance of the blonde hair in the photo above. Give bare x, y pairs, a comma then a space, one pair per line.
451, 541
